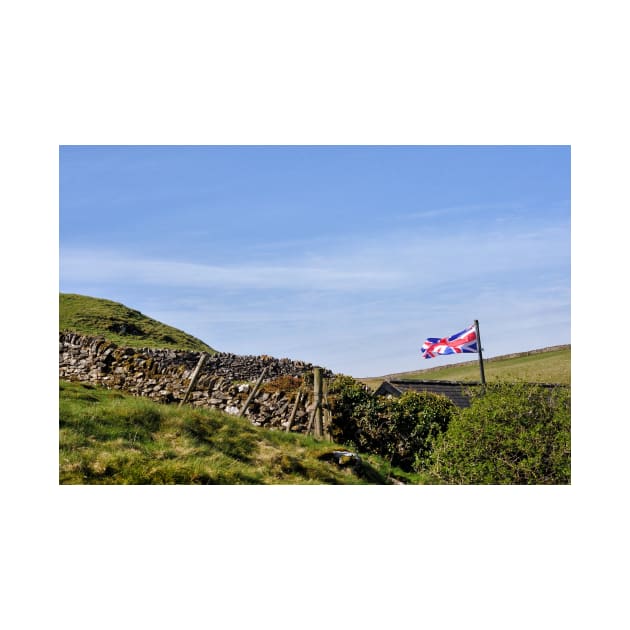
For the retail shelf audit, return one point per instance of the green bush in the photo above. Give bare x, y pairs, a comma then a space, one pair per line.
401, 429
512, 434
356, 413
417, 419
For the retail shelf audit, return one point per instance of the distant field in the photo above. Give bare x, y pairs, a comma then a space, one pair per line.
122, 325
545, 367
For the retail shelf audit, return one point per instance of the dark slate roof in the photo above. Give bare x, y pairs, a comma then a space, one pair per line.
454, 390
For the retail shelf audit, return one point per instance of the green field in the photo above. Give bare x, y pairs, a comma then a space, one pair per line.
553, 366
107, 437
121, 325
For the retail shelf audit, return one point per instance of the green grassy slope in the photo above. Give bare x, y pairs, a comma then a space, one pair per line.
107, 437
122, 325
553, 366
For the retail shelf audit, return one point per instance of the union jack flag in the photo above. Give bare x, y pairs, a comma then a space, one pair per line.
463, 341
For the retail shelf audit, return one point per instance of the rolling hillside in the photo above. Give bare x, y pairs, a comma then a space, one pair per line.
548, 365
107, 437
121, 325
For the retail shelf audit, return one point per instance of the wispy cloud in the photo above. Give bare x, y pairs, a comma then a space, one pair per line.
396, 260
105, 266
477, 208
359, 307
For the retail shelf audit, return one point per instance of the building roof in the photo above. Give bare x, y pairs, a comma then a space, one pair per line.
456, 391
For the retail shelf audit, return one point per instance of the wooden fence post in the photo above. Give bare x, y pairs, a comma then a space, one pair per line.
253, 392
193, 378
318, 429
327, 413
298, 396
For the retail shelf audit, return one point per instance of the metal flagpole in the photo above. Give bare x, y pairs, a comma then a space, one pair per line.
483, 375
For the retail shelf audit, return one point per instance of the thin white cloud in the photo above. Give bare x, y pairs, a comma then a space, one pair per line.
361, 307
462, 209
94, 266
394, 260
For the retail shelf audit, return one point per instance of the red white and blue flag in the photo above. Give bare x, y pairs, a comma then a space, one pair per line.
463, 341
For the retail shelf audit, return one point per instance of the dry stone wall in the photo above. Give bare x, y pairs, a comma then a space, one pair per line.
224, 382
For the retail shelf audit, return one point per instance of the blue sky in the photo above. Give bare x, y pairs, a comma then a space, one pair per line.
344, 256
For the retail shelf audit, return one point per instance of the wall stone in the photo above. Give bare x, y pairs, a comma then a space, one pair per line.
164, 375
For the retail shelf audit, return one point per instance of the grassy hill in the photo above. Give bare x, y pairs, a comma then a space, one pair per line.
544, 366
122, 325
107, 437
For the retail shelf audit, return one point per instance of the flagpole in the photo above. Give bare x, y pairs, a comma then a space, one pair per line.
483, 375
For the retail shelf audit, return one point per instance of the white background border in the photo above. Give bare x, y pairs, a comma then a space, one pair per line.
312, 73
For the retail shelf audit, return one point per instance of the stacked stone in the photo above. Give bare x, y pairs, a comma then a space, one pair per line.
270, 410
163, 375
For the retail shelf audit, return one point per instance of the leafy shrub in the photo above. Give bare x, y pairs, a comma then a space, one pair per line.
350, 401
513, 434
417, 418
403, 429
